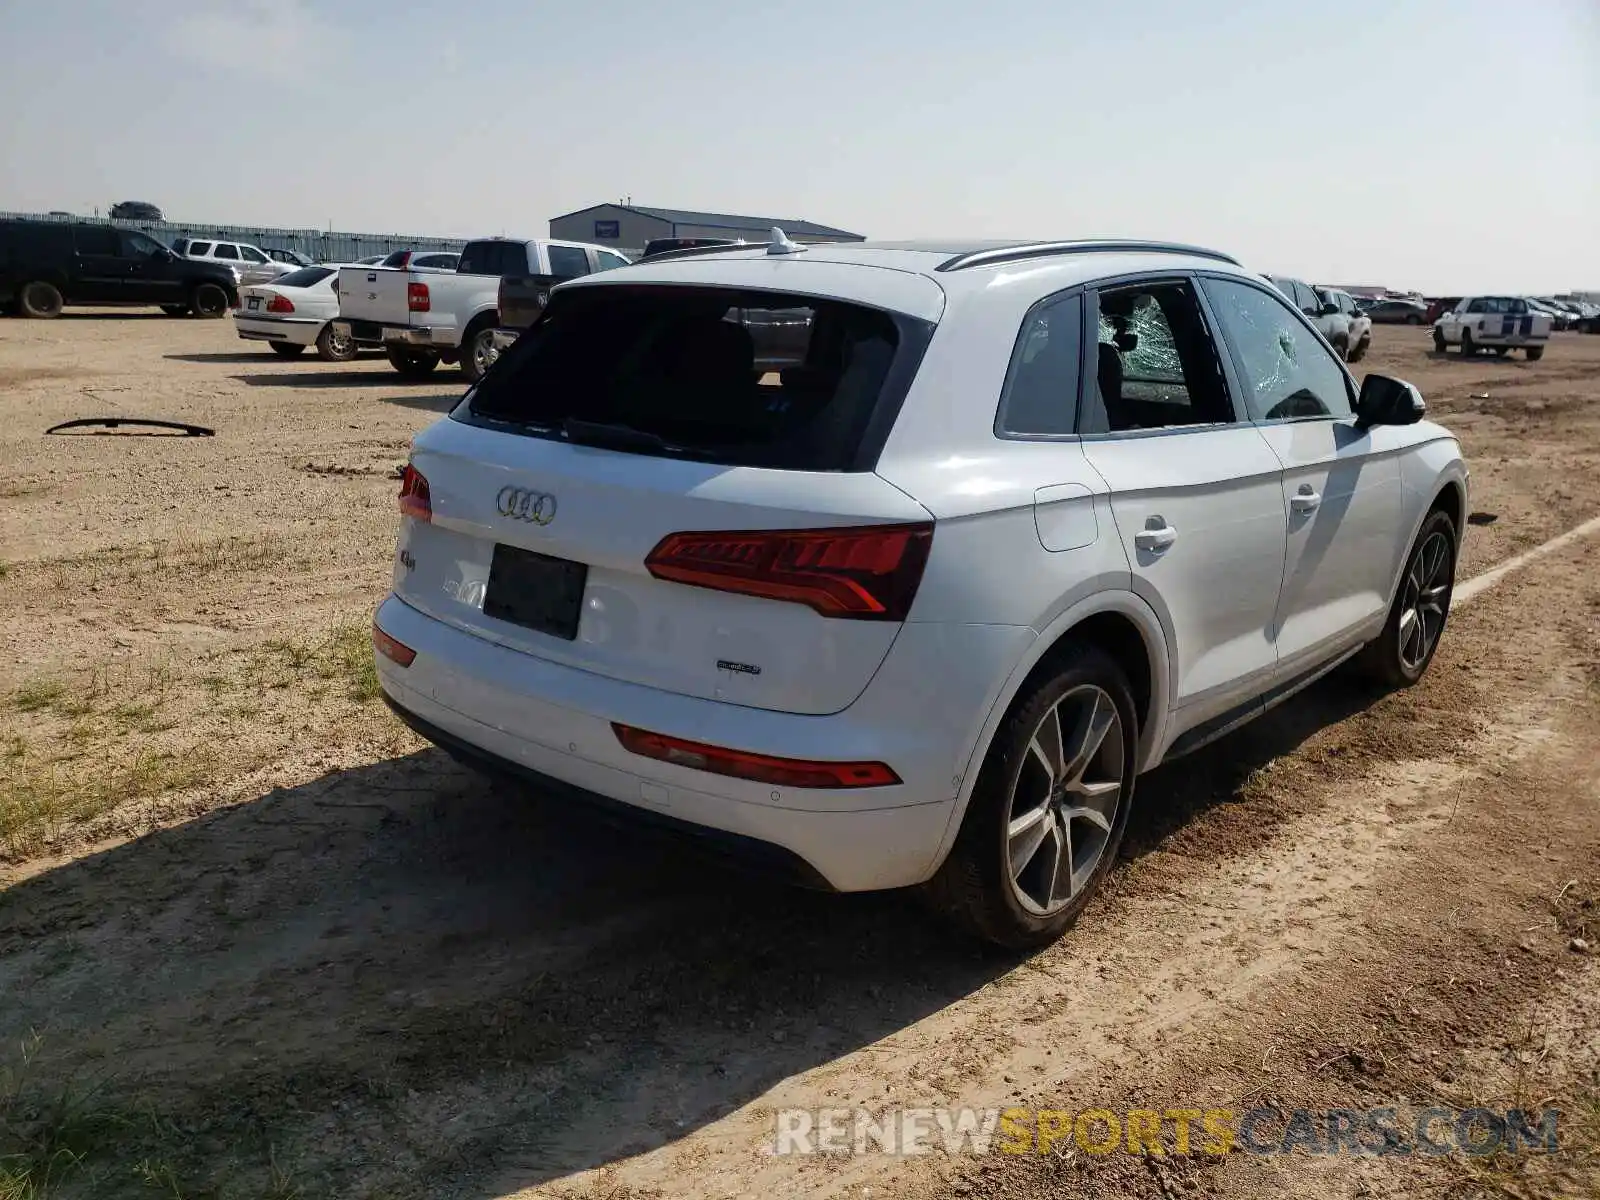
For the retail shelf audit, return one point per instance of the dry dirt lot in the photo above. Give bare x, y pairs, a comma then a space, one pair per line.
256, 940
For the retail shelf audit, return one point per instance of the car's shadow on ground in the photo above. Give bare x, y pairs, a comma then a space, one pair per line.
441, 402
115, 315
231, 356
329, 378
428, 973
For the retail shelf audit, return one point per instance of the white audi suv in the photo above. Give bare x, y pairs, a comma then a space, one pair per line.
1022, 522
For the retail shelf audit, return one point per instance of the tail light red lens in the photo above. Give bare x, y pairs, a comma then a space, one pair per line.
763, 768
280, 304
415, 500
417, 298
866, 572
395, 651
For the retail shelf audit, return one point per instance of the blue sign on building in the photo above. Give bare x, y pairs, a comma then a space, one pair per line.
606, 229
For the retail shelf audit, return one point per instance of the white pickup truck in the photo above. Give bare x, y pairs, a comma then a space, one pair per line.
1500, 323
423, 318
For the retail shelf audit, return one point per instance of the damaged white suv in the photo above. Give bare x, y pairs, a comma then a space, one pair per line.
1024, 521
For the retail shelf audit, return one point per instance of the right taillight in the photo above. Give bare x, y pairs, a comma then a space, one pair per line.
415, 501
417, 298
864, 572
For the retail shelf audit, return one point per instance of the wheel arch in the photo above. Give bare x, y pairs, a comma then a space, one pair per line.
484, 316
1125, 626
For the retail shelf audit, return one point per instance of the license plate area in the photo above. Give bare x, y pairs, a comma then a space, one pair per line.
535, 591
255, 302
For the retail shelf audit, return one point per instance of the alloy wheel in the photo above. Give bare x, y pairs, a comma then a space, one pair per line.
1065, 799
1427, 597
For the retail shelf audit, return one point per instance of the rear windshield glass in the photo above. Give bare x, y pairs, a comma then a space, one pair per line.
709, 374
305, 277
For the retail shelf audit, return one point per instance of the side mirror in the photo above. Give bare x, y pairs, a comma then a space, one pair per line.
1386, 401
1329, 308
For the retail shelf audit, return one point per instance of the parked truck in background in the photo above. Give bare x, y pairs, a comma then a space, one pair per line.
425, 317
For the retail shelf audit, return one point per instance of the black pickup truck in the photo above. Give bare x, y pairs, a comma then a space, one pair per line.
45, 265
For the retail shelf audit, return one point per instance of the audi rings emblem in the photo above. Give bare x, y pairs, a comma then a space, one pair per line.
526, 505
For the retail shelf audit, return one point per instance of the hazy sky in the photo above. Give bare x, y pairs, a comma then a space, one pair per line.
1439, 144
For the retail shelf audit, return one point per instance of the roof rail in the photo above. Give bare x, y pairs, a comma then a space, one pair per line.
1026, 250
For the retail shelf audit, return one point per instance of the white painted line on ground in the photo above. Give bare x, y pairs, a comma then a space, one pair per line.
1479, 584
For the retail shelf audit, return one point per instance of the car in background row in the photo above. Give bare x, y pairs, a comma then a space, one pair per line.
135, 210
1331, 321
293, 257
45, 265
425, 317
1392, 310
1498, 323
1358, 331
422, 260
921, 610
252, 263
294, 312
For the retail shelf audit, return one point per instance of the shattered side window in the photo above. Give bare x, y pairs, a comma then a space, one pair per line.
1287, 372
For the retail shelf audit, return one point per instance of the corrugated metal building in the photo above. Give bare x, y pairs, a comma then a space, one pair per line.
629, 226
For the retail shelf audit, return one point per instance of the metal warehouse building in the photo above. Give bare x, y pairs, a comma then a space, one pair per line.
629, 226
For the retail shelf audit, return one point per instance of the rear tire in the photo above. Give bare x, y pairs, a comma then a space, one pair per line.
1413, 319
40, 300
333, 348
287, 349
1439, 344
208, 301
477, 352
413, 364
1535, 353
175, 310
1042, 795
1360, 351
1420, 609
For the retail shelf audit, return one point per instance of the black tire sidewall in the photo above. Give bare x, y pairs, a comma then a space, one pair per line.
325, 349
1395, 669
53, 300
469, 364
412, 364
981, 853
208, 292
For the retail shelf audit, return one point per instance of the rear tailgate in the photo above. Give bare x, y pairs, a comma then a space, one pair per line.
606, 511
633, 413
375, 294
523, 298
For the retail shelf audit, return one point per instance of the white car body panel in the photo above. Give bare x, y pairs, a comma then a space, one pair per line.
1032, 536
314, 307
1518, 329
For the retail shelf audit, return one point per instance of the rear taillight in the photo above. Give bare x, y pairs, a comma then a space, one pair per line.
404, 262
866, 572
280, 304
417, 298
414, 498
395, 651
763, 768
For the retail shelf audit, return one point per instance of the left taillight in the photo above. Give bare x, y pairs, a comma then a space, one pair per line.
415, 501
864, 572
417, 298
280, 304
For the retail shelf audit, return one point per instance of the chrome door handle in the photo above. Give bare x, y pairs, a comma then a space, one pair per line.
1155, 539
1306, 500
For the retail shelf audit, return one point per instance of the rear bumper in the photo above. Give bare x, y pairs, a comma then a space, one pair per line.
765, 857
388, 335
920, 714
299, 331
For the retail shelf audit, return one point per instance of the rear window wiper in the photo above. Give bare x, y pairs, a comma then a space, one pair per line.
617, 437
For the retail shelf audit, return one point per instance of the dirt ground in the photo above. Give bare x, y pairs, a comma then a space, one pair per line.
257, 940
